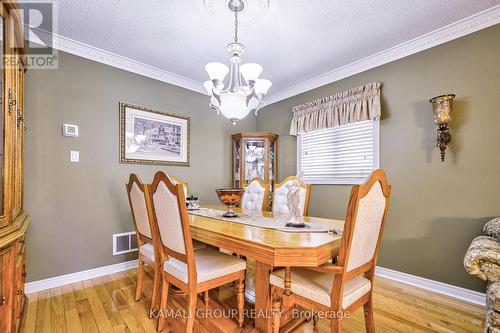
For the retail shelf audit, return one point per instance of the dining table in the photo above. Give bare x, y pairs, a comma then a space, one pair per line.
268, 245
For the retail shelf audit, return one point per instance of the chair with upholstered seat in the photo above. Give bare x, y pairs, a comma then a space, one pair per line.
256, 195
140, 205
280, 196
196, 244
338, 289
191, 271
185, 186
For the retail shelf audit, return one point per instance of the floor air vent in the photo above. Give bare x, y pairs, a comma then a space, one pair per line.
124, 242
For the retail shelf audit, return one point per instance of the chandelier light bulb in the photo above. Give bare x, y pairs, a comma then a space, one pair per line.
216, 71
261, 86
250, 72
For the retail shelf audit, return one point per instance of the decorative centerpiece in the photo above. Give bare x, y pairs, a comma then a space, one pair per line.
230, 197
293, 203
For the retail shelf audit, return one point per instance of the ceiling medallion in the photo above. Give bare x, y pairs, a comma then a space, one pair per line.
237, 100
253, 11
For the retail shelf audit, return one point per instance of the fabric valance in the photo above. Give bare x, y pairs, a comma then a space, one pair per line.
350, 106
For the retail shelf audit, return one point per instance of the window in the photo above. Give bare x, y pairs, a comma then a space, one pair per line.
341, 155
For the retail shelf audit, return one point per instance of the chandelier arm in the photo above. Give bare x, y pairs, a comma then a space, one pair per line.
217, 97
249, 97
215, 108
260, 106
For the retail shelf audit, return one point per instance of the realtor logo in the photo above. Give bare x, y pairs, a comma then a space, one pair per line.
39, 21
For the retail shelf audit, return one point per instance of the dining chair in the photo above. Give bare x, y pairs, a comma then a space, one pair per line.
256, 195
191, 271
140, 205
280, 196
196, 244
185, 186
339, 289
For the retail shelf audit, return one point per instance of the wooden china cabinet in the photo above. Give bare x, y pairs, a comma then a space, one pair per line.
13, 219
255, 154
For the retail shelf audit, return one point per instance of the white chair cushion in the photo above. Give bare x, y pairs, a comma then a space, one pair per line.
280, 199
253, 197
147, 251
317, 286
210, 264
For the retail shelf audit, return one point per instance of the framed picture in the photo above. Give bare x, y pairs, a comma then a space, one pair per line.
153, 137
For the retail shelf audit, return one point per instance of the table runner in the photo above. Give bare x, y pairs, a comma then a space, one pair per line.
256, 219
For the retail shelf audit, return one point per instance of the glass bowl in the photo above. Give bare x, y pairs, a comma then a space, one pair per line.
230, 197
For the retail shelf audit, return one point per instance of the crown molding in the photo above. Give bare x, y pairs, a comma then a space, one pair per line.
471, 24
90, 52
476, 22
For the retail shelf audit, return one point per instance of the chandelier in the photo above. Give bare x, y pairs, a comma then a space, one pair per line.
237, 100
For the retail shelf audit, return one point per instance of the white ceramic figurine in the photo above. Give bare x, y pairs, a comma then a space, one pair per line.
293, 202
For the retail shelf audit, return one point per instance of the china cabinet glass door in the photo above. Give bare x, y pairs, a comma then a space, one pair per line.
236, 163
255, 152
254, 155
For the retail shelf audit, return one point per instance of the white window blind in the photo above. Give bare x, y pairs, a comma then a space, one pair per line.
345, 154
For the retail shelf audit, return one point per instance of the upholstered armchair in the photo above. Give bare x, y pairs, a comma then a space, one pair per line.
256, 195
483, 261
280, 196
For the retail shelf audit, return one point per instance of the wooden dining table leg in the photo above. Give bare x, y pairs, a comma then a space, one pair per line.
262, 297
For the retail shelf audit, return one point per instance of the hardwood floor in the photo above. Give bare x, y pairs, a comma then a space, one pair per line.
107, 304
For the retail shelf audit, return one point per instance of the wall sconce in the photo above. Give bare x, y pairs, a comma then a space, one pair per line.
442, 106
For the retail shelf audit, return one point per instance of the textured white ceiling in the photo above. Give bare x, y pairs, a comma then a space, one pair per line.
295, 41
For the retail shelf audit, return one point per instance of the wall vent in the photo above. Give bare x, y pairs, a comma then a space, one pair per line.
124, 242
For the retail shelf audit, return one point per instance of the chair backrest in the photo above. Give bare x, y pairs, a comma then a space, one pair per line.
171, 231
364, 224
363, 229
280, 196
256, 195
185, 186
138, 197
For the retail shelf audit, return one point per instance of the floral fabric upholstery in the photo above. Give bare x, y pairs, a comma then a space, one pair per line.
483, 261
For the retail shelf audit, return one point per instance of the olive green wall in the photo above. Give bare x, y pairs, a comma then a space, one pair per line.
76, 207
437, 208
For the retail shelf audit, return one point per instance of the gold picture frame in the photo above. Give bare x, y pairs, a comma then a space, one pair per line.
153, 137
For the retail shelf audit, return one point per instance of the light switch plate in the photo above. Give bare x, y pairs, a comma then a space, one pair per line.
70, 130
74, 156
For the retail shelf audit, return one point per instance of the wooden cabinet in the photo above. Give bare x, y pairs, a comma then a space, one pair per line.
255, 155
6, 288
13, 219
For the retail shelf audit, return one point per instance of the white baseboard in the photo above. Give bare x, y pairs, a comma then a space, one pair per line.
463, 294
427, 284
62, 280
